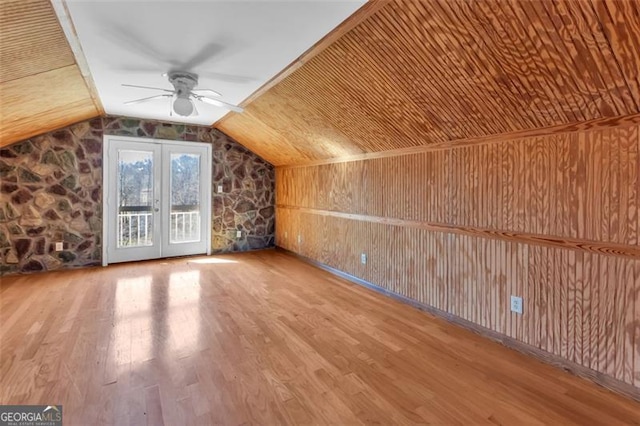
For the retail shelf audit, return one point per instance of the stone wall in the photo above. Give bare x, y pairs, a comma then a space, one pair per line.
51, 190
247, 200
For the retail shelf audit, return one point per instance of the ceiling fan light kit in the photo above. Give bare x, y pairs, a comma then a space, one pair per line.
184, 93
183, 106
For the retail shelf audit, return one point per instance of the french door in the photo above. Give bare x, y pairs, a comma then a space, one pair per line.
157, 199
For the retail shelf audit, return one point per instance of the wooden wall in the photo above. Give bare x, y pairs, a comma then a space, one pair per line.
41, 86
554, 219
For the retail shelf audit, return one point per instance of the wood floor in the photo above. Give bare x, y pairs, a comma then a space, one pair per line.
263, 338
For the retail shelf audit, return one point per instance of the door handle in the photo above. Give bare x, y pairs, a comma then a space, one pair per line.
156, 210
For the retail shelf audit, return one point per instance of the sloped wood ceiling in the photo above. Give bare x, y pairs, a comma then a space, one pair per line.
41, 87
424, 72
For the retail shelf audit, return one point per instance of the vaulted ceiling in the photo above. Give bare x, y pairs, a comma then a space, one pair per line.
233, 46
411, 73
422, 72
63, 61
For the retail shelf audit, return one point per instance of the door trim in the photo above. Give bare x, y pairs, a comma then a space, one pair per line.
106, 185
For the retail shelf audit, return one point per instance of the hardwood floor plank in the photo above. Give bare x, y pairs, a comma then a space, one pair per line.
264, 338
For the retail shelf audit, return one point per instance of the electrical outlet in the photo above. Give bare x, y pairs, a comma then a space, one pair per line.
238, 234
299, 238
363, 258
59, 246
286, 234
516, 304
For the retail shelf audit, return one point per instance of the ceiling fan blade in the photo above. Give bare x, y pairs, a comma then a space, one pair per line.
229, 78
211, 91
137, 101
202, 56
135, 43
129, 69
147, 87
219, 103
195, 110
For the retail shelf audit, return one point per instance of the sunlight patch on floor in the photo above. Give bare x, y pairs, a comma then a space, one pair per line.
210, 260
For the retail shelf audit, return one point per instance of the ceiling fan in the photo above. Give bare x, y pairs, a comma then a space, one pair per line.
183, 94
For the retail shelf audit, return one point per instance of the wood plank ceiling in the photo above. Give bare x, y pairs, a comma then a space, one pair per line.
423, 72
41, 87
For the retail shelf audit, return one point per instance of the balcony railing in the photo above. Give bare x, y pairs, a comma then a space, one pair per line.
135, 228
135, 225
185, 226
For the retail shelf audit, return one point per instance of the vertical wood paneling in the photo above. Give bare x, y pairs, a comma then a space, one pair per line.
635, 326
556, 285
586, 309
602, 283
632, 324
580, 304
620, 319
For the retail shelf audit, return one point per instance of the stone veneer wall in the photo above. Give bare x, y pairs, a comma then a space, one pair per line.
51, 190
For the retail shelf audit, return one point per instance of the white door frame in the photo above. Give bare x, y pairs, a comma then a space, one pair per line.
108, 181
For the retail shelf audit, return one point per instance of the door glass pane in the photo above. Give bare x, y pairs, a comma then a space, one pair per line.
135, 198
185, 198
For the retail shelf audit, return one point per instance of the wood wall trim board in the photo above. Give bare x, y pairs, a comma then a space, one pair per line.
360, 15
611, 249
544, 356
512, 137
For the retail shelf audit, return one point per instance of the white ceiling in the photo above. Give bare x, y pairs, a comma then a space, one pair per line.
235, 46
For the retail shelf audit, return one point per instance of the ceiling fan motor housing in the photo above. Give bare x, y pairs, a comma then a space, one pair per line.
183, 82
